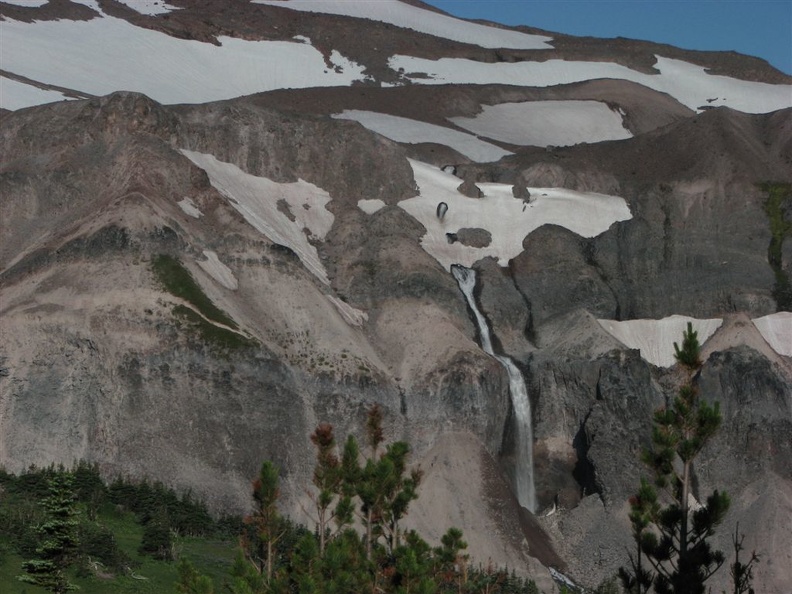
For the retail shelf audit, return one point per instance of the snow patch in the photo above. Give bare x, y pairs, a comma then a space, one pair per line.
218, 271
420, 20
776, 329
188, 206
413, 131
257, 200
149, 7
543, 123
26, 3
371, 206
507, 218
106, 54
563, 580
689, 84
17, 95
655, 338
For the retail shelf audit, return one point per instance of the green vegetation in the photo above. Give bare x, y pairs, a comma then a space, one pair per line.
57, 538
140, 537
673, 553
374, 493
104, 552
778, 207
178, 281
216, 335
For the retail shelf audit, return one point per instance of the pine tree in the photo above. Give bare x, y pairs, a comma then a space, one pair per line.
57, 537
329, 477
191, 581
673, 539
157, 539
266, 522
384, 487
742, 573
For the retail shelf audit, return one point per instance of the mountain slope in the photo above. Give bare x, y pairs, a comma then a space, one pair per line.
189, 284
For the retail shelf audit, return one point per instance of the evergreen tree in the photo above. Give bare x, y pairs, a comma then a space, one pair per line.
57, 537
742, 573
328, 478
335, 558
192, 582
157, 541
266, 522
384, 487
673, 539
450, 561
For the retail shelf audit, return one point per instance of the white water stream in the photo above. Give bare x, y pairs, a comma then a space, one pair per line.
524, 480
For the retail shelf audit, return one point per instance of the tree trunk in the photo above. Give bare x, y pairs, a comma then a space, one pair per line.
322, 521
683, 529
269, 561
369, 516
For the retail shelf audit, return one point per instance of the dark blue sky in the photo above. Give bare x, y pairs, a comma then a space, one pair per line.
760, 28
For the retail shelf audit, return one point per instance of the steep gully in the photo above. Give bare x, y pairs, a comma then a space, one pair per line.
524, 479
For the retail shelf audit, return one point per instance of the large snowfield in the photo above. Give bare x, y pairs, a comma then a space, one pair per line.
506, 218
689, 84
16, 95
420, 20
107, 54
543, 123
413, 132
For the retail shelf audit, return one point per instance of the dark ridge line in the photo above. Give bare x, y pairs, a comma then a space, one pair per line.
47, 87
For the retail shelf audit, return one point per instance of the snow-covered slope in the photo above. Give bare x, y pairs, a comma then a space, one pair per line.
776, 329
16, 95
420, 20
689, 84
288, 214
413, 131
108, 54
655, 338
505, 218
543, 123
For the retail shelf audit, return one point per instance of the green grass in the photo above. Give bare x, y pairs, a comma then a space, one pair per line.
211, 557
178, 281
221, 337
778, 207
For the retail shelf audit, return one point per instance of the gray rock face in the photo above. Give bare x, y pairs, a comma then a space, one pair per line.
555, 274
603, 409
140, 390
756, 403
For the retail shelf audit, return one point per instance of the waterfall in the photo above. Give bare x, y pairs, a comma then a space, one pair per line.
524, 480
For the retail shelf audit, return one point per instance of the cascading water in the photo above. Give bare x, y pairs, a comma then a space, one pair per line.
524, 481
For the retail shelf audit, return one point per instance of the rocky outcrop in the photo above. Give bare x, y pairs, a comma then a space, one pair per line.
555, 274
470, 189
